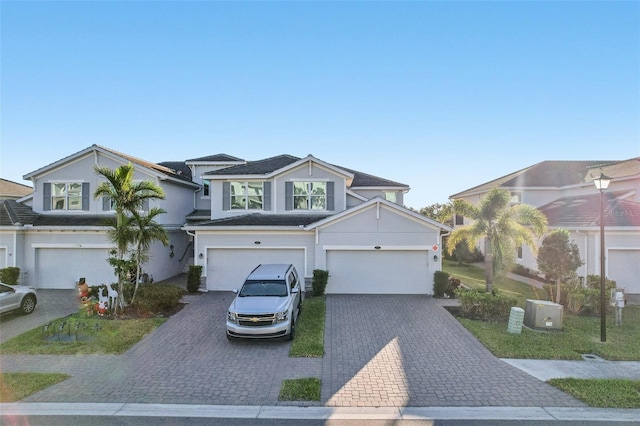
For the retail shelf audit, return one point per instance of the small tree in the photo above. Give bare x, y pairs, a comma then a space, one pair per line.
558, 258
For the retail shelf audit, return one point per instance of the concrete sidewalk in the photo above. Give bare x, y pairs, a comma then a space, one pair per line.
595, 369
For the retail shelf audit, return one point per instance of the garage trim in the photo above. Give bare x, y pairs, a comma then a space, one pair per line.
361, 248
88, 246
254, 247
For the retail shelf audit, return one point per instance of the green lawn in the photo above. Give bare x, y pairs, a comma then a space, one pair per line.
473, 277
307, 389
112, 337
613, 393
309, 339
16, 386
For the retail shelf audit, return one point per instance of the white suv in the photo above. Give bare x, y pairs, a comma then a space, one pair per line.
267, 305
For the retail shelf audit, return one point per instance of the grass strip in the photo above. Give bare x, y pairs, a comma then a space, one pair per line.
96, 336
16, 386
579, 335
309, 340
306, 389
606, 393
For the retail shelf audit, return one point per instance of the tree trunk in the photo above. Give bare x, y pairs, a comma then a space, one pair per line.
558, 290
138, 270
488, 266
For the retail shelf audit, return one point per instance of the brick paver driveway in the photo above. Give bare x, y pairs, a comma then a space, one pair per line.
380, 351
408, 351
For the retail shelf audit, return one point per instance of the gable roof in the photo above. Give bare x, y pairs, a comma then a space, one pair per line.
273, 164
10, 189
158, 168
381, 201
621, 169
584, 211
554, 174
216, 158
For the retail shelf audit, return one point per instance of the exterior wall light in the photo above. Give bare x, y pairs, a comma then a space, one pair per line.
171, 253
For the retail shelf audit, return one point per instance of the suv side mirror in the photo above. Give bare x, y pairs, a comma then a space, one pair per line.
295, 290
235, 291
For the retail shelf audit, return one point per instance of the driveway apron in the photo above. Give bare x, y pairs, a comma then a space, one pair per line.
397, 350
379, 351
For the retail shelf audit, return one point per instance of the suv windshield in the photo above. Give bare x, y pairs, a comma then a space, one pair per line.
264, 288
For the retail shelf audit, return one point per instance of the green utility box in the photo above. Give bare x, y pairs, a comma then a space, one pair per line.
516, 318
543, 315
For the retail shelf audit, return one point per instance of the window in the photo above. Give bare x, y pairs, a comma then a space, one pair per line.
309, 195
205, 189
459, 220
65, 196
391, 196
516, 198
519, 252
246, 195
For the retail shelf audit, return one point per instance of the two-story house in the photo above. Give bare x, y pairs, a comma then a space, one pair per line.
564, 191
58, 233
315, 215
229, 215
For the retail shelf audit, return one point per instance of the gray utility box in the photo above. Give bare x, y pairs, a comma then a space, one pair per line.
543, 315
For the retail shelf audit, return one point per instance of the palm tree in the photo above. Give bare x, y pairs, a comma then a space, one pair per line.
504, 227
127, 197
146, 231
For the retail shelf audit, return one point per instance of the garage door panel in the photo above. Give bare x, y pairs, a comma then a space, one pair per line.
378, 272
624, 269
228, 268
3, 257
61, 268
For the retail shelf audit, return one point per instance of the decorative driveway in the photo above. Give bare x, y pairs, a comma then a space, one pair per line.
380, 351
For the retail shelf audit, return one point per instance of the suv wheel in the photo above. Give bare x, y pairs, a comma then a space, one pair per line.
292, 333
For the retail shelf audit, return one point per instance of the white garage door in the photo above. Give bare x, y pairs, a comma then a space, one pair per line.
62, 267
379, 272
624, 269
3, 257
228, 268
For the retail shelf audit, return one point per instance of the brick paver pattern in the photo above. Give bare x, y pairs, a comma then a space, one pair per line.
379, 351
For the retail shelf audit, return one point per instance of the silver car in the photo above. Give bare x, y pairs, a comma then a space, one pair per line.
267, 305
17, 297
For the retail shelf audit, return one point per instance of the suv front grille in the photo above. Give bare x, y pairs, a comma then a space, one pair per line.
259, 320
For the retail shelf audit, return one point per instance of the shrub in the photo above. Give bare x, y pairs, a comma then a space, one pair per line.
193, 278
10, 275
454, 283
485, 306
158, 298
440, 283
319, 283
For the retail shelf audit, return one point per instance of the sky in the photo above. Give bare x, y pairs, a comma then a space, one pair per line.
441, 96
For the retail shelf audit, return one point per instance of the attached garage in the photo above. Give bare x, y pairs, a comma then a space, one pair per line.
227, 268
624, 268
60, 268
3, 257
379, 272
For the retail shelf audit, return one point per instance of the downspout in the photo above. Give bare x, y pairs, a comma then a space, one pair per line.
586, 254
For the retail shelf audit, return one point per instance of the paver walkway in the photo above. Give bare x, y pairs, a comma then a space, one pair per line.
381, 351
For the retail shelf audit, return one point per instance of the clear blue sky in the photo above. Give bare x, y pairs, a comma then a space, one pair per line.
441, 96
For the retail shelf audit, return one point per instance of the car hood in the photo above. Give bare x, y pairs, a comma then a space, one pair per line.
23, 289
259, 305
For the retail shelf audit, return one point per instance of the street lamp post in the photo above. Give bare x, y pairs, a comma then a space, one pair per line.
602, 183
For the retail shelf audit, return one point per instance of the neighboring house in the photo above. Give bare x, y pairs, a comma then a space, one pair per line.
565, 193
12, 190
59, 233
228, 215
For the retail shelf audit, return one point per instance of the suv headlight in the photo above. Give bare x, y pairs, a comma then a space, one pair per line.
281, 316
232, 317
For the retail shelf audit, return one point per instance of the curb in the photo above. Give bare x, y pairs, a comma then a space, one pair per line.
320, 413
